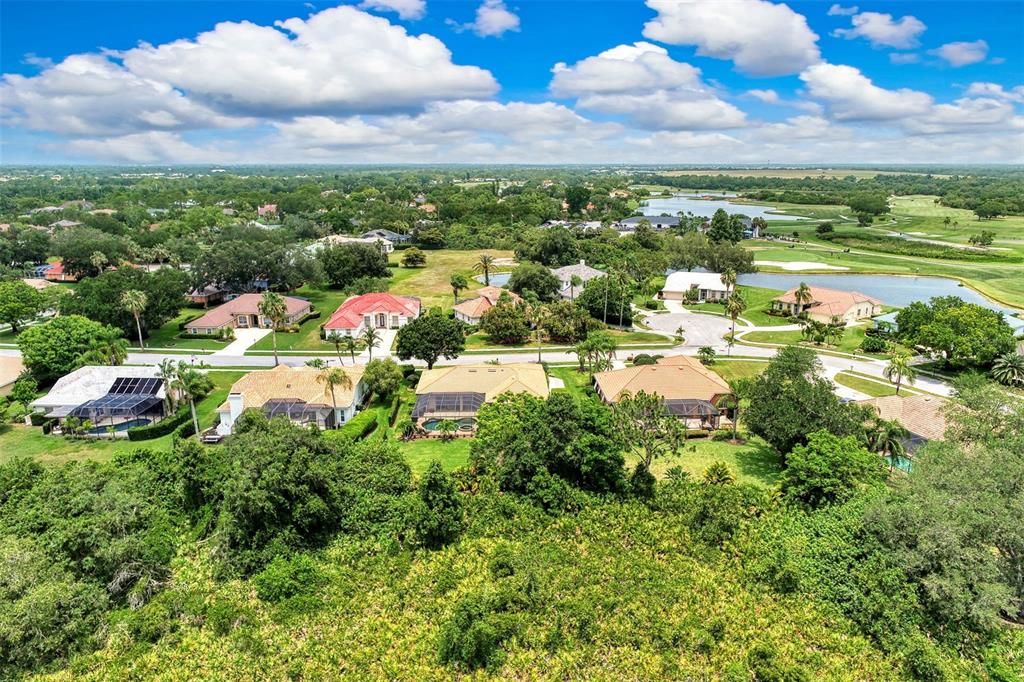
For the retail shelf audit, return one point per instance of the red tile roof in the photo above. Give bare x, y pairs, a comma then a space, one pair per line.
349, 314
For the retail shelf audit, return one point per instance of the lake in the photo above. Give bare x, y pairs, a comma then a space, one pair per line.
707, 207
889, 289
498, 279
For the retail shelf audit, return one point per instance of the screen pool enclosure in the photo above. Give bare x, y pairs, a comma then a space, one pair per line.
440, 405
128, 398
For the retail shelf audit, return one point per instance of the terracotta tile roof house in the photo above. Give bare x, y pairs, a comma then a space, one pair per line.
205, 296
472, 310
243, 312
828, 303
380, 311
690, 390
707, 285
55, 273
922, 415
267, 209
457, 392
581, 270
11, 367
293, 392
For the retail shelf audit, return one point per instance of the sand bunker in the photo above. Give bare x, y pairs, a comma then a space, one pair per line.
799, 265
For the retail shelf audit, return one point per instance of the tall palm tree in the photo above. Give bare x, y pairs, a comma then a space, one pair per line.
802, 296
622, 280
728, 278
135, 302
98, 259
371, 337
574, 281
734, 400
888, 438
192, 385
458, 282
336, 339
273, 307
484, 265
539, 314
899, 370
1008, 369
168, 370
334, 376
734, 306
351, 346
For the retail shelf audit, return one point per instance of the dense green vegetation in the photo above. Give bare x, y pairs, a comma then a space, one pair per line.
550, 555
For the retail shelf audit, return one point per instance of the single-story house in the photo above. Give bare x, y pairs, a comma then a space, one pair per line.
379, 311
387, 235
456, 393
657, 222
472, 311
690, 391
63, 224
922, 415
55, 273
826, 304
11, 368
38, 283
121, 397
707, 286
386, 246
243, 312
206, 296
267, 209
296, 393
566, 273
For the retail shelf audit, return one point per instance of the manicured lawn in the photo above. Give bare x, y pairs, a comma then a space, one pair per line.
850, 342
759, 302
865, 386
421, 452
29, 441
326, 301
752, 462
577, 383
738, 369
167, 335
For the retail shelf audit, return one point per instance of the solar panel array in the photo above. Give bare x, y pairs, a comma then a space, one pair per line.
436, 404
136, 386
117, 405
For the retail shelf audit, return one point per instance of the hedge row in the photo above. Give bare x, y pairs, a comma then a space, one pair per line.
161, 428
396, 403
362, 425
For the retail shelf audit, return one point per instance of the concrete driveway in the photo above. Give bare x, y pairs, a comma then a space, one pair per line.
698, 329
387, 340
243, 339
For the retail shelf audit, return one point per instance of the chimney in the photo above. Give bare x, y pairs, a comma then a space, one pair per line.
582, 262
234, 406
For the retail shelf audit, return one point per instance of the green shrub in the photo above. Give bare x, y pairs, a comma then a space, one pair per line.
721, 434
284, 578
161, 428
873, 344
396, 403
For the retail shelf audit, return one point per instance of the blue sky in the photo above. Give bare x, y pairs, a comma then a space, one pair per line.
537, 81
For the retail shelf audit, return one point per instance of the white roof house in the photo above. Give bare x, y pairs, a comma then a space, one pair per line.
89, 383
707, 284
386, 246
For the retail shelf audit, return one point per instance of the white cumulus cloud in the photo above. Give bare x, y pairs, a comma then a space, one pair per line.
962, 53
850, 95
340, 59
493, 19
881, 30
837, 10
1014, 94
405, 9
760, 37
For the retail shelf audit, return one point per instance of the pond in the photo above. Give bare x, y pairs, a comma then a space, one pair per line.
707, 207
889, 289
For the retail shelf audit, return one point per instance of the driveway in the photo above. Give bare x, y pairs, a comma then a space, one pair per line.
387, 340
243, 339
698, 329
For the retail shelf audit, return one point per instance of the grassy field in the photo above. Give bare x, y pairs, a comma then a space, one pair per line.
759, 302
420, 453
29, 441
865, 386
478, 340
921, 217
850, 342
326, 301
430, 283
738, 369
577, 383
751, 462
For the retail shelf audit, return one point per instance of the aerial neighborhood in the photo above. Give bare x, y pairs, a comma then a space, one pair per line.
315, 365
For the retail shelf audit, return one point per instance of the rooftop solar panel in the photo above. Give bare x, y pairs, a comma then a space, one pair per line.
136, 385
